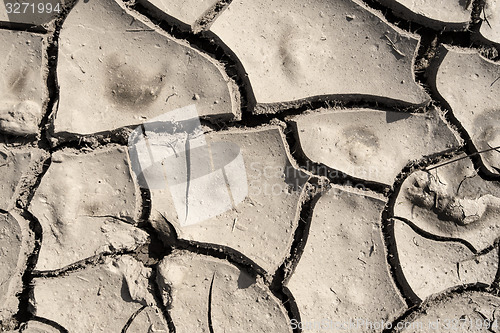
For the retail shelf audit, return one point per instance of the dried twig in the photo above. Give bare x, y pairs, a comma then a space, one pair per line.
391, 43
463, 157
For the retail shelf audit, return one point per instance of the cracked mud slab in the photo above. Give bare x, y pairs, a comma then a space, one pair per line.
490, 27
86, 204
15, 165
342, 273
261, 224
370, 144
431, 266
22, 87
184, 13
458, 312
96, 299
205, 294
470, 85
437, 14
103, 89
293, 50
234, 235
14, 246
452, 202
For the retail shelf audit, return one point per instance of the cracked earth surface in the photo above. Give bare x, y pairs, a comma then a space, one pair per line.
369, 136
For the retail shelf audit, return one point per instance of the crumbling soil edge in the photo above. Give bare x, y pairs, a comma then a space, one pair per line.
413, 312
26, 309
389, 240
208, 18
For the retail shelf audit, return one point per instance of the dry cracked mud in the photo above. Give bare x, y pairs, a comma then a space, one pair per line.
440, 14
249, 166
